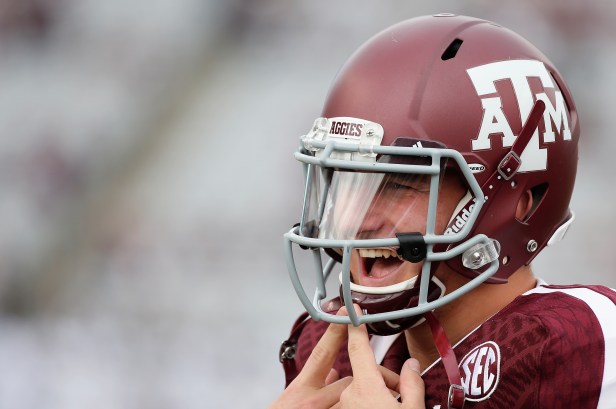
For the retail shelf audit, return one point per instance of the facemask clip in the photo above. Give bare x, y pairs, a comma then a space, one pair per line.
412, 247
481, 254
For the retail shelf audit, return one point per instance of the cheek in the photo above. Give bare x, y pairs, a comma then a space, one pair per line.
442, 220
445, 212
408, 217
354, 259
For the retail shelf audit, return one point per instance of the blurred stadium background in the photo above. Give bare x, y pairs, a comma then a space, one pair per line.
147, 178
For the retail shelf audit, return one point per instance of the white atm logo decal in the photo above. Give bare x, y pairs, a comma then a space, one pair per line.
494, 121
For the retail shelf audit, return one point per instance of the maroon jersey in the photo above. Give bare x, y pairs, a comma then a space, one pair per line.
553, 347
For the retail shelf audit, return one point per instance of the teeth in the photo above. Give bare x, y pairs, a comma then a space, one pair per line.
374, 253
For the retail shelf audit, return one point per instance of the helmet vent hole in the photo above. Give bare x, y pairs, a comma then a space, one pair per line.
452, 50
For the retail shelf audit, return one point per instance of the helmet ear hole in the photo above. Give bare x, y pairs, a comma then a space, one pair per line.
525, 206
530, 201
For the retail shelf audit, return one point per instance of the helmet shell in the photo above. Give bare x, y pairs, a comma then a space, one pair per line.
470, 84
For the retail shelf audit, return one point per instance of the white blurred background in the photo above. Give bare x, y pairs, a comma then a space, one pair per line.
147, 179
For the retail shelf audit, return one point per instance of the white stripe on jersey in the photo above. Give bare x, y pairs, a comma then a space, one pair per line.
381, 344
605, 311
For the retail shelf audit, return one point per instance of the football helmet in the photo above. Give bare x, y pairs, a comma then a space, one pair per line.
430, 106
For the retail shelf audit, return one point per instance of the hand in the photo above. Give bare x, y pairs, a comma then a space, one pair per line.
372, 384
317, 385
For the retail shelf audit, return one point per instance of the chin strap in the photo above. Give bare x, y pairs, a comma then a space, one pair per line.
456, 396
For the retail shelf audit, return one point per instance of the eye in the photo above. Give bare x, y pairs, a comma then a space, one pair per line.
400, 186
411, 183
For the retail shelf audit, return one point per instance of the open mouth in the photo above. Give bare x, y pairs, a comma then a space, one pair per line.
379, 266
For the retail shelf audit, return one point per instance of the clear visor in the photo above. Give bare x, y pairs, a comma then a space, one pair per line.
353, 205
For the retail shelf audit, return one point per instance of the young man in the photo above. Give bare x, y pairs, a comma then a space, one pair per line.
443, 163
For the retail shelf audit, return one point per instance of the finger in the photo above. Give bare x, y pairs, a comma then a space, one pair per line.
360, 353
412, 389
330, 394
392, 379
323, 356
332, 376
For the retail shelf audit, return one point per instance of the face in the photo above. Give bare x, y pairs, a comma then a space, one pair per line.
401, 206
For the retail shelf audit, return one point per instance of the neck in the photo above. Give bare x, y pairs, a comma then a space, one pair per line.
466, 313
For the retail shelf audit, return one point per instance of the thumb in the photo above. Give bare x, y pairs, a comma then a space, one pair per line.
412, 389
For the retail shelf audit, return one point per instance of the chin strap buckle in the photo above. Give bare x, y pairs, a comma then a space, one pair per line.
456, 397
287, 350
509, 165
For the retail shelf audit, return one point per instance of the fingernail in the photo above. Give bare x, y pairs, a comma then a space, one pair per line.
413, 365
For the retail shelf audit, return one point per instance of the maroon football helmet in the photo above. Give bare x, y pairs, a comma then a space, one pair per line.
422, 97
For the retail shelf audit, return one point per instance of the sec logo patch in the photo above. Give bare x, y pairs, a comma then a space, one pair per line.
481, 371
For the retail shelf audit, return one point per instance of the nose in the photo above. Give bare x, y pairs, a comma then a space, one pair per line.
374, 222
357, 218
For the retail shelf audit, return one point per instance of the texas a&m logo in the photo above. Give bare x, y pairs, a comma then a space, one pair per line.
480, 370
494, 121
